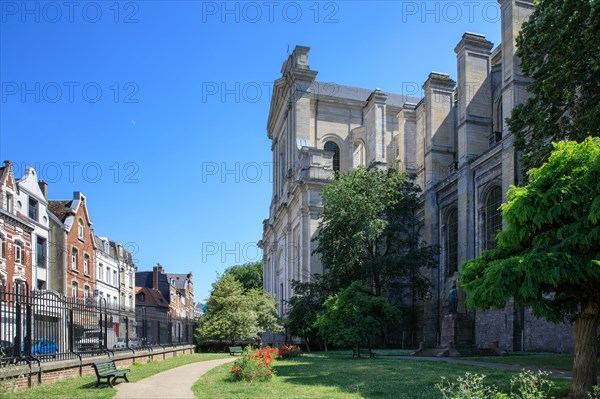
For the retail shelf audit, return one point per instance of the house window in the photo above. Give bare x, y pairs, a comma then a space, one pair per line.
333, 147
105, 245
142, 297
1, 246
452, 242
40, 252
74, 255
33, 209
493, 217
115, 280
100, 272
18, 252
107, 274
9, 202
86, 264
86, 291
74, 289
80, 229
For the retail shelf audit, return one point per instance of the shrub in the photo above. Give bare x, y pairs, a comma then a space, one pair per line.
595, 393
525, 385
254, 365
290, 351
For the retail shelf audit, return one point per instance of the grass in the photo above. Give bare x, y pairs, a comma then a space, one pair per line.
341, 377
83, 387
551, 361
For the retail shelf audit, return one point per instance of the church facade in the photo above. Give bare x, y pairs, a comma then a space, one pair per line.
454, 140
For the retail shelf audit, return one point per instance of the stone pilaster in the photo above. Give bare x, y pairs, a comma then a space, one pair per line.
474, 111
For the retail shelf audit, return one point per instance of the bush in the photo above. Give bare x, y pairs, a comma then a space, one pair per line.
525, 385
254, 365
595, 393
290, 351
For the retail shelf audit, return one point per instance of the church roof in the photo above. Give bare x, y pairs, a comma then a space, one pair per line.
357, 93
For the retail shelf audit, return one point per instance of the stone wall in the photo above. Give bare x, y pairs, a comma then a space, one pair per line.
20, 377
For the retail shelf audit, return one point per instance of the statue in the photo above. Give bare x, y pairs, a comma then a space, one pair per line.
452, 299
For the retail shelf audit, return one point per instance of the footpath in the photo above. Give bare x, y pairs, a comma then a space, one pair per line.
171, 384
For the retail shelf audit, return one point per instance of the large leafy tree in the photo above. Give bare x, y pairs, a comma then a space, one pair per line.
351, 316
548, 256
559, 48
306, 303
368, 232
235, 314
249, 274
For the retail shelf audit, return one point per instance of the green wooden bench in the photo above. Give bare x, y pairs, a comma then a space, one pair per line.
235, 349
363, 352
107, 369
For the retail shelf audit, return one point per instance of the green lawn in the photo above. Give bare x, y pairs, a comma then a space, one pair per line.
551, 361
341, 377
83, 388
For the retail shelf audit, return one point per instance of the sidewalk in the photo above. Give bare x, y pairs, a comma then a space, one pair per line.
171, 384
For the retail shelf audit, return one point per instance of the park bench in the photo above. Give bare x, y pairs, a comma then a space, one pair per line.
235, 349
363, 352
106, 369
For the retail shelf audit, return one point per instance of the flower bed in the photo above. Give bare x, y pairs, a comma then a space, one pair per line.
290, 351
254, 365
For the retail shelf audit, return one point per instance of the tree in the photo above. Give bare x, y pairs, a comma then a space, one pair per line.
350, 316
559, 48
368, 232
249, 274
548, 256
233, 314
306, 303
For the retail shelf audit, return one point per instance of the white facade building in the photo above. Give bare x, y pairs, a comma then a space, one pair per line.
107, 272
32, 202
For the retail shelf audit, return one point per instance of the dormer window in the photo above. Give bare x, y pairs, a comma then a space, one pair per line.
33, 209
142, 297
9, 202
105, 244
80, 229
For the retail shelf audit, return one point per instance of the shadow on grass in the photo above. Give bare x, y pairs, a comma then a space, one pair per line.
385, 378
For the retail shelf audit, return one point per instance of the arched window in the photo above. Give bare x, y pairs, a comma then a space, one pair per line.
80, 229
74, 287
333, 147
452, 242
86, 264
74, 255
493, 217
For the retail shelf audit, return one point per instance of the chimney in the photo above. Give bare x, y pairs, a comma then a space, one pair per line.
155, 272
44, 187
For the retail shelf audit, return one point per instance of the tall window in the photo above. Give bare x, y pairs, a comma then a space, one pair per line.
86, 264
40, 251
9, 202
74, 255
493, 217
333, 147
33, 209
18, 252
80, 229
101, 272
74, 289
115, 280
86, 291
1, 246
452, 242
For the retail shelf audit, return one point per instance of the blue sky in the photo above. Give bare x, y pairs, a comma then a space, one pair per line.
157, 110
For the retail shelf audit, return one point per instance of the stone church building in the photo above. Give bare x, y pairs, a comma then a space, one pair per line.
454, 140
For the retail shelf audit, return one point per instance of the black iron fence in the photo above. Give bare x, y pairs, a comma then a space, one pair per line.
43, 326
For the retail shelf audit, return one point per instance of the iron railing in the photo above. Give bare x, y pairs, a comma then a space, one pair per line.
44, 326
